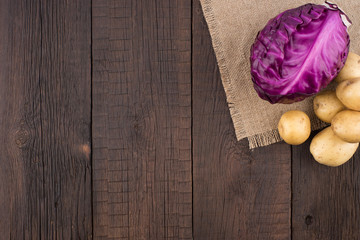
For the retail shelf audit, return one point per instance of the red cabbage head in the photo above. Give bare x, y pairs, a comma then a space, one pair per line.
299, 52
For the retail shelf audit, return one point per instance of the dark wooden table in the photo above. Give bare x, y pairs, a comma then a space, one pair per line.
114, 125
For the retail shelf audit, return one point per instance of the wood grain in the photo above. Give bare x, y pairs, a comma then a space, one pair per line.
45, 79
238, 194
326, 200
142, 119
165, 160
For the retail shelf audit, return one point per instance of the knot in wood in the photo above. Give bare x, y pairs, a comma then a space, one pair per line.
309, 220
22, 136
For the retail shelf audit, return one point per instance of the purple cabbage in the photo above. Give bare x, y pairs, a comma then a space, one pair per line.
299, 52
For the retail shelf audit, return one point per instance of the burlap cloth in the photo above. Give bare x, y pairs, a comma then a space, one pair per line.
233, 25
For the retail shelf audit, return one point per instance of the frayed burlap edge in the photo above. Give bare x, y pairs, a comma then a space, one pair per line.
258, 140
225, 76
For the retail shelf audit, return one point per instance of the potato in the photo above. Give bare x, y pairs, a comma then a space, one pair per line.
294, 127
348, 92
351, 68
330, 150
327, 105
346, 125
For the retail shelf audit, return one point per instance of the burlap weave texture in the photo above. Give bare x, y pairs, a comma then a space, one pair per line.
233, 25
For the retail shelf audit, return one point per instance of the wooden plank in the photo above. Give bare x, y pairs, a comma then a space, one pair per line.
238, 193
326, 200
142, 119
45, 76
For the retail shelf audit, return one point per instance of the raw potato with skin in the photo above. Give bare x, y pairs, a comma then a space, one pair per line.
327, 105
351, 68
348, 92
346, 125
330, 150
294, 127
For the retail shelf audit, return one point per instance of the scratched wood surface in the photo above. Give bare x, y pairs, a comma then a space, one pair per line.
114, 125
326, 201
142, 119
45, 106
238, 193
